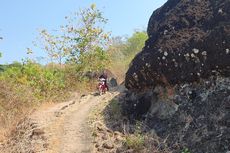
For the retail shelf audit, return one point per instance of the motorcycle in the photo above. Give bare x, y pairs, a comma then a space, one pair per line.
102, 87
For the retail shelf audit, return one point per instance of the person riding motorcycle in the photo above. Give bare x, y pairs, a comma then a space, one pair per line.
103, 80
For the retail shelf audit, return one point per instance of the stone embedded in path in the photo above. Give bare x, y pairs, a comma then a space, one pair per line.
108, 145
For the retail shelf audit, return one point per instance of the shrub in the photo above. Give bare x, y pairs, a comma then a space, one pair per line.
135, 141
44, 81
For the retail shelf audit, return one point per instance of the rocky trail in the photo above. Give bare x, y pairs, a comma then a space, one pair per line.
61, 128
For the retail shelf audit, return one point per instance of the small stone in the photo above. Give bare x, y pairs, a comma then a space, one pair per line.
160, 50
220, 11
196, 51
100, 149
192, 55
117, 133
165, 53
186, 55
109, 131
227, 51
100, 128
204, 53
108, 145
130, 151
46, 145
147, 64
135, 75
97, 145
38, 132
105, 137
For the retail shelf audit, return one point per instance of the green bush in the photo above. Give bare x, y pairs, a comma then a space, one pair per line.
135, 141
185, 150
44, 81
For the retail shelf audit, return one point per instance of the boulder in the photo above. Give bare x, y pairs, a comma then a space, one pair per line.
187, 40
112, 82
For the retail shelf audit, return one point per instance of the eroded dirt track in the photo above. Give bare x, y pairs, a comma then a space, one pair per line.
61, 128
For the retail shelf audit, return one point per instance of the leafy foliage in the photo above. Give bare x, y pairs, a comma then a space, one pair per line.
135, 43
88, 35
43, 81
82, 41
122, 51
56, 46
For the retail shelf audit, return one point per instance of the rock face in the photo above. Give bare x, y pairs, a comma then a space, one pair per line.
197, 117
202, 121
188, 40
188, 48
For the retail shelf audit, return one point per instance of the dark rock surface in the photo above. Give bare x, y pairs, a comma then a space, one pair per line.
113, 82
188, 49
197, 117
188, 40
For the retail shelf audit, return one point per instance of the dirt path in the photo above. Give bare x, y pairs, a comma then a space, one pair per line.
70, 133
75, 134
59, 128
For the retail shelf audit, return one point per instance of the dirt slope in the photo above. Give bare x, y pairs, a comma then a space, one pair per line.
60, 128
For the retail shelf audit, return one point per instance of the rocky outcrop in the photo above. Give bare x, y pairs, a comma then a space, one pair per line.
188, 40
197, 117
187, 54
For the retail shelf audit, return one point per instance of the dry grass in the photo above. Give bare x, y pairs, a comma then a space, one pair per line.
18, 100
15, 102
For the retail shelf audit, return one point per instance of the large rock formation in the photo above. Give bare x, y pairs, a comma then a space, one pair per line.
188, 40
188, 48
197, 117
